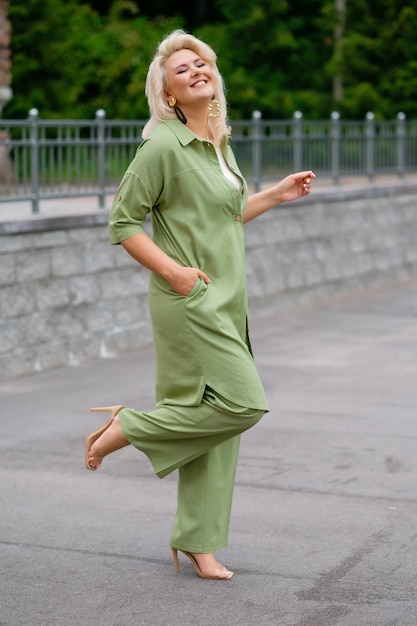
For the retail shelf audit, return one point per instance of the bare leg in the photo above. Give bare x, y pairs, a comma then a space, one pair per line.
111, 440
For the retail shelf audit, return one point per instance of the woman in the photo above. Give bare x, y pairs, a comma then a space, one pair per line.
207, 387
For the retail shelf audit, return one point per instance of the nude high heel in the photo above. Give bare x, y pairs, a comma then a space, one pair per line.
96, 434
196, 566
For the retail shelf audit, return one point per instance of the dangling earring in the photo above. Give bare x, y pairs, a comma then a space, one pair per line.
214, 108
180, 115
172, 103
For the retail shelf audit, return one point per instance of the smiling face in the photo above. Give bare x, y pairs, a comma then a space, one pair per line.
189, 79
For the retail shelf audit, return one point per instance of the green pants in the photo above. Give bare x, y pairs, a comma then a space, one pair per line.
202, 442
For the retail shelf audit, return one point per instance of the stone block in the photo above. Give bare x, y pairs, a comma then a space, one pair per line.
7, 269
130, 311
39, 328
121, 258
17, 301
67, 323
83, 348
303, 251
410, 255
381, 260
312, 222
313, 273
52, 294
399, 257
321, 249
33, 265
50, 239
118, 283
358, 242
67, 260
16, 243
11, 335
98, 317
97, 258
349, 266
119, 340
18, 362
332, 270
292, 229
83, 289
51, 355
88, 235
364, 263
294, 277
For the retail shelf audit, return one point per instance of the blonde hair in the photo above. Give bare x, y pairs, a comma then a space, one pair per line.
156, 83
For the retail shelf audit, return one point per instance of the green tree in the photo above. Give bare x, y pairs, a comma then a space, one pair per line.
271, 54
49, 39
69, 61
71, 58
378, 58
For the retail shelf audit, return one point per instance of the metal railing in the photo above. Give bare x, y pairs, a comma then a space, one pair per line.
45, 159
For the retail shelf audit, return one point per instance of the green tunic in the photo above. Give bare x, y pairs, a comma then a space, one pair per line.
197, 219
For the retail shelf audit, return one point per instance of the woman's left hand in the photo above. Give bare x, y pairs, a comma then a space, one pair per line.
289, 188
295, 186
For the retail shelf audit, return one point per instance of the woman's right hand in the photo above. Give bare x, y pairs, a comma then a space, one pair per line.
183, 279
147, 253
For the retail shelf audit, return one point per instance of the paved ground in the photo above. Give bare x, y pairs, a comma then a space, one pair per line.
324, 524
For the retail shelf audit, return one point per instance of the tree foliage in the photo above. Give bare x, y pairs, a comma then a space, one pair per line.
278, 56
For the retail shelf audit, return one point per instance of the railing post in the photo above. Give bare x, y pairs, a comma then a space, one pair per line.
298, 141
401, 144
257, 149
101, 157
335, 148
370, 141
34, 159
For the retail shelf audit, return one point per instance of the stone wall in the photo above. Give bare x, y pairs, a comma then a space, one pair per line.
67, 296
302, 253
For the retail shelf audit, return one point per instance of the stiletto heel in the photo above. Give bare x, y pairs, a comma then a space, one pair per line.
105, 409
196, 566
175, 557
114, 410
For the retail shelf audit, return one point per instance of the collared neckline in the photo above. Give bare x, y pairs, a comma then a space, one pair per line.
183, 134
186, 136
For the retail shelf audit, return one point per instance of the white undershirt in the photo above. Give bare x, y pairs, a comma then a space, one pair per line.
226, 170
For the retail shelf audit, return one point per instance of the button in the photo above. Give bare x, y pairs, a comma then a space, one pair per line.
238, 218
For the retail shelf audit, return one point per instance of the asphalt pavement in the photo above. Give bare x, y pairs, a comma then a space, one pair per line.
324, 520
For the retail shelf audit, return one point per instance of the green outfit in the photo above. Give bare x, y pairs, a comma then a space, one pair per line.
208, 390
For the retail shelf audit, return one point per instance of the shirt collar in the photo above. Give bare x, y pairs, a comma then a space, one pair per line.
186, 136
183, 134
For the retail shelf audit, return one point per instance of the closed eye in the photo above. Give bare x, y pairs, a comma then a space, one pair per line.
183, 68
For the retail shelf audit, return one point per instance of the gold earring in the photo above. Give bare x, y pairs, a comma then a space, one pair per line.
172, 101
214, 108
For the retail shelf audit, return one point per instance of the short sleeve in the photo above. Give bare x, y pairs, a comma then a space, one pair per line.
137, 194
132, 203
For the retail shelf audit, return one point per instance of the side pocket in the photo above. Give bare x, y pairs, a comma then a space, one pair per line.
195, 289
